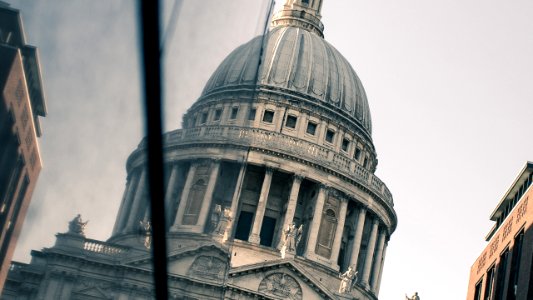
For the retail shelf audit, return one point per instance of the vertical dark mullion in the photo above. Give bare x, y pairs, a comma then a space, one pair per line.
149, 13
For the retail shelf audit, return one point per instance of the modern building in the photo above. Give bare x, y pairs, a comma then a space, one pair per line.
503, 271
21, 104
271, 191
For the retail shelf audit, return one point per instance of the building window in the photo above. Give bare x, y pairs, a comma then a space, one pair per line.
203, 118
234, 112
512, 287
365, 162
490, 284
218, 114
311, 128
500, 276
193, 121
268, 116
291, 121
345, 144
357, 154
330, 134
251, 114
477, 293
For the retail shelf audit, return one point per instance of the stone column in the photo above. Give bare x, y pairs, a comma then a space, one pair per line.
370, 252
315, 224
338, 233
169, 195
133, 220
185, 196
291, 205
378, 262
261, 207
376, 289
208, 198
235, 199
356, 246
124, 209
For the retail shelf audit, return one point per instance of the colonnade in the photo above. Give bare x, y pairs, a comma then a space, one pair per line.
192, 216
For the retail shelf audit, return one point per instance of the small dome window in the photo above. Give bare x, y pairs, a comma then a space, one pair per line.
268, 116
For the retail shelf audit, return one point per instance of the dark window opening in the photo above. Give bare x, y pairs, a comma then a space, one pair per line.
330, 134
345, 144
357, 154
512, 286
234, 112
268, 116
218, 114
501, 275
490, 283
244, 225
251, 114
193, 122
291, 121
267, 231
203, 120
477, 293
311, 128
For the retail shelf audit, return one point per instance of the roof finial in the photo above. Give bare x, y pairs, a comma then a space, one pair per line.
301, 13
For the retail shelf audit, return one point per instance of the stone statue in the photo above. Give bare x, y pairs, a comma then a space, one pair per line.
414, 297
216, 216
77, 226
348, 280
223, 223
299, 234
146, 230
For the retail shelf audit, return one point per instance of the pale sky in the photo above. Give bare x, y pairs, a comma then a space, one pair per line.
449, 85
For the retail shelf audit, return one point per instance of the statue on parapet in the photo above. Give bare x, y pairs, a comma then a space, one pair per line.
146, 231
291, 238
414, 297
221, 221
348, 280
77, 226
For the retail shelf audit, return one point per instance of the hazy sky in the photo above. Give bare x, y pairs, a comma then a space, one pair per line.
449, 85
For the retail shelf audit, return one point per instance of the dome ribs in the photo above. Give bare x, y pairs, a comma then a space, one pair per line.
300, 72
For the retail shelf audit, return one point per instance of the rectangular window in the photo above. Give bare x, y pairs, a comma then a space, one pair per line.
477, 292
365, 162
268, 116
193, 122
218, 114
345, 144
357, 154
501, 275
490, 283
234, 112
512, 286
330, 134
203, 119
291, 121
311, 128
251, 114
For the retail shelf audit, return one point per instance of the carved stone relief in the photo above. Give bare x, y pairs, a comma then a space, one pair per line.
281, 285
208, 267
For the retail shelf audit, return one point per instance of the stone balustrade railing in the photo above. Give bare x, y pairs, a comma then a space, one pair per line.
99, 247
255, 137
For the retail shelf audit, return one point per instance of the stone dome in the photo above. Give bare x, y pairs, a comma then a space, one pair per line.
298, 63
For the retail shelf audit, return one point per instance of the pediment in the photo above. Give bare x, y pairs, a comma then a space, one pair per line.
91, 291
203, 262
278, 280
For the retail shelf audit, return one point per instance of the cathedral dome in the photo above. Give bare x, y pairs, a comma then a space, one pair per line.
298, 63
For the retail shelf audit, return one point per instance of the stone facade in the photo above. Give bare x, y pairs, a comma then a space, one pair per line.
271, 191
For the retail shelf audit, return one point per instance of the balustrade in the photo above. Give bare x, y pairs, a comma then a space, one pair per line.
103, 248
256, 137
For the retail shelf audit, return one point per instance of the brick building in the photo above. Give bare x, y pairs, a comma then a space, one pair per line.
504, 268
21, 104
